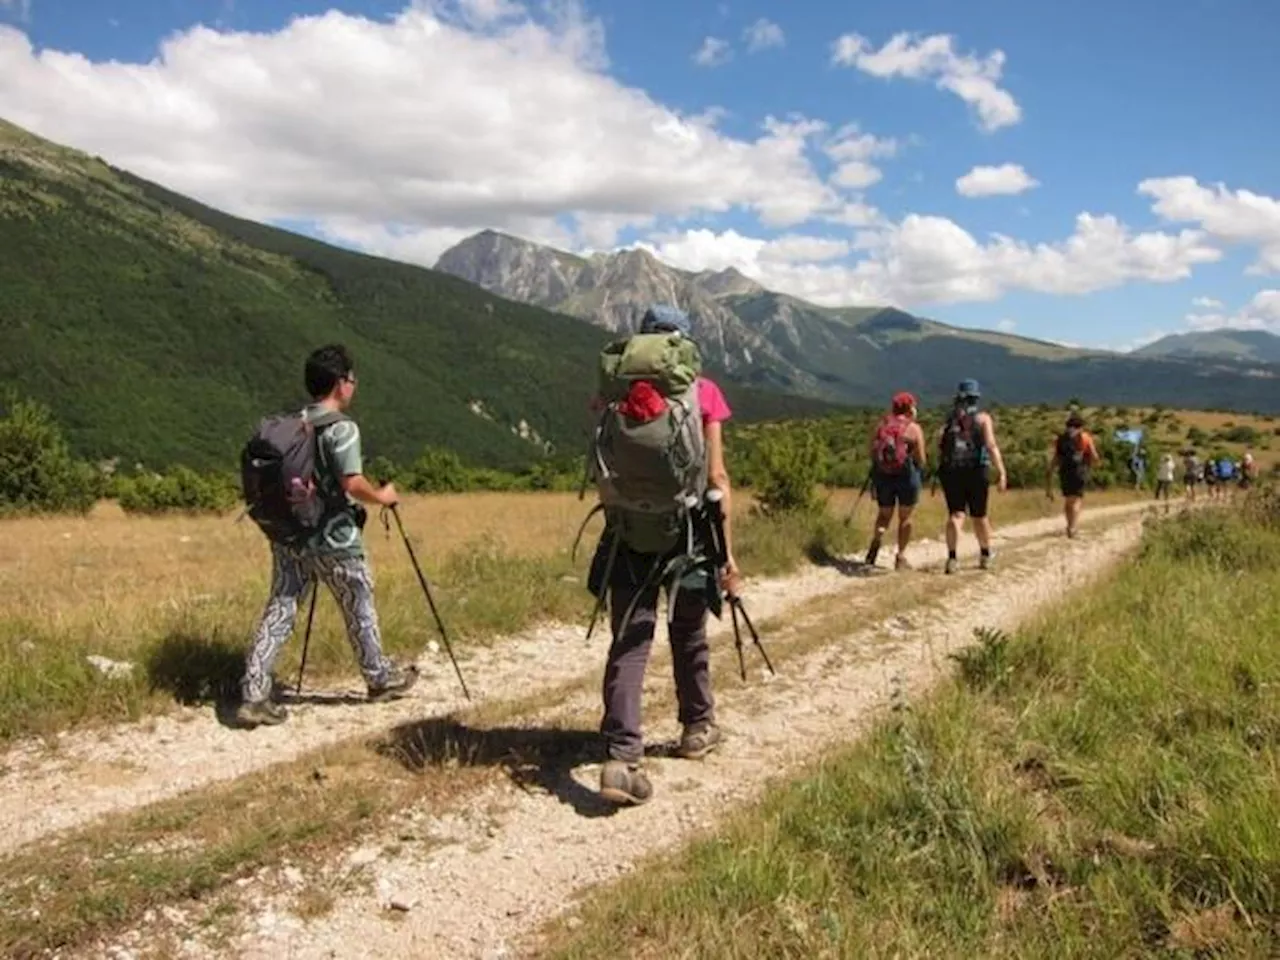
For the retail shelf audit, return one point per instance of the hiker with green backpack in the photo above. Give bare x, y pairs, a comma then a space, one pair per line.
303, 481
967, 449
656, 451
897, 467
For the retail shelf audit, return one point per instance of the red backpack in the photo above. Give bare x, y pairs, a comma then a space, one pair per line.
889, 450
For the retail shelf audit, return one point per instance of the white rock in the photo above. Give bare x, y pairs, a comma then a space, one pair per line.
292, 876
111, 669
363, 857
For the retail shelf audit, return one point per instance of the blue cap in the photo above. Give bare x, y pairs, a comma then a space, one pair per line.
968, 388
664, 318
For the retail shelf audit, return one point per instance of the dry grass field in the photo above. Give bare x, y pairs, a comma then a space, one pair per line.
178, 596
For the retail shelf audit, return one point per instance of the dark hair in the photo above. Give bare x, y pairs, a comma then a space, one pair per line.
325, 367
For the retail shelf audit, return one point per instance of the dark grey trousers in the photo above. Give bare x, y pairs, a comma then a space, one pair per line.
629, 656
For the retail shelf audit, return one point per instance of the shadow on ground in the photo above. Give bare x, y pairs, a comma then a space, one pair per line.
536, 758
820, 556
195, 668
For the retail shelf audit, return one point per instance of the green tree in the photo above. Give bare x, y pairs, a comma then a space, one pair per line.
37, 470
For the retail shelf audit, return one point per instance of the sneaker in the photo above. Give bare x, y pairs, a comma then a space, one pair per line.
698, 740
398, 682
873, 551
952, 565
624, 783
985, 562
900, 562
257, 713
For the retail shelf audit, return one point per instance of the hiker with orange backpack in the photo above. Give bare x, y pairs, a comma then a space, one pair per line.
897, 467
1074, 454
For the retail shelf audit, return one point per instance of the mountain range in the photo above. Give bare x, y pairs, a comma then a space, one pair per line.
159, 330
1248, 346
856, 354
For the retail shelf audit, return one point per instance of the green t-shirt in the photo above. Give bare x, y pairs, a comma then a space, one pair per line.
338, 455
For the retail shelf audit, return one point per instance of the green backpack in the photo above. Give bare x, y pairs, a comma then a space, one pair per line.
648, 455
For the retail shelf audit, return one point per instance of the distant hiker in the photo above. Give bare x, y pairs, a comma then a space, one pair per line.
1164, 476
897, 466
1190, 473
1248, 470
330, 549
1225, 475
654, 400
1138, 468
967, 449
1074, 454
1209, 474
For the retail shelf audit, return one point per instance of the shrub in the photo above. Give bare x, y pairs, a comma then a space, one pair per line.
789, 466
37, 470
181, 491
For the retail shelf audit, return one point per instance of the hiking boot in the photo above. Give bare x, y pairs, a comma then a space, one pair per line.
952, 565
397, 683
985, 562
873, 551
257, 713
624, 783
698, 740
900, 562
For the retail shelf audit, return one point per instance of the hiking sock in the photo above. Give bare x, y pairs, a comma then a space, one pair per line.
951, 554
986, 551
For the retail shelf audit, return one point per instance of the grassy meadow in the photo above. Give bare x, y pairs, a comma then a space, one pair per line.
178, 595
1105, 782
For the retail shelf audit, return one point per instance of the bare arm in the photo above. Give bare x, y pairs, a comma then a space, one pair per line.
989, 439
357, 485
918, 451
718, 477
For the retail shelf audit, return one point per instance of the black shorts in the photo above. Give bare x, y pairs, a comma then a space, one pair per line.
966, 491
1073, 484
899, 490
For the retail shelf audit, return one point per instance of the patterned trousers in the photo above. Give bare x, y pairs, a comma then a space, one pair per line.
351, 582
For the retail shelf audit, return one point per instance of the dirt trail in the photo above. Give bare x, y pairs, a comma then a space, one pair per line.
91, 773
516, 857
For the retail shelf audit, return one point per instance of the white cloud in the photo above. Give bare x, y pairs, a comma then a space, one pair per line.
852, 150
1007, 325
713, 52
1207, 303
1008, 179
762, 35
1230, 216
927, 260
1260, 313
423, 122
973, 80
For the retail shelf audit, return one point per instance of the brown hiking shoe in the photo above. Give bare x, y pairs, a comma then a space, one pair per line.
259, 713
398, 682
698, 740
624, 783
900, 562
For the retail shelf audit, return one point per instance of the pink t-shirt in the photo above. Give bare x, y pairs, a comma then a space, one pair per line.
715, 408
711, 399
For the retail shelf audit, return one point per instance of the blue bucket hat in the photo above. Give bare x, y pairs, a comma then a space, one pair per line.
664, 318
968, 388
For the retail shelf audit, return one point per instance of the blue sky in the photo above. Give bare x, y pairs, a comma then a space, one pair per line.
394, 136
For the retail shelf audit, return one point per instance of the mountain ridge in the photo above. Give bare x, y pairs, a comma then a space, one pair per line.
849, 354
159, 330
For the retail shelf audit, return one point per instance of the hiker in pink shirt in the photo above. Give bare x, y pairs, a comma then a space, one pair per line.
624, 581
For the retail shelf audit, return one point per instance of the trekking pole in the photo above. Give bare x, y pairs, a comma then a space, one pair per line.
720, 553
853, 511
306, 639
395, 512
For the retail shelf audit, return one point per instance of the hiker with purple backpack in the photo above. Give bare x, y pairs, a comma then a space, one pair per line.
315, 531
